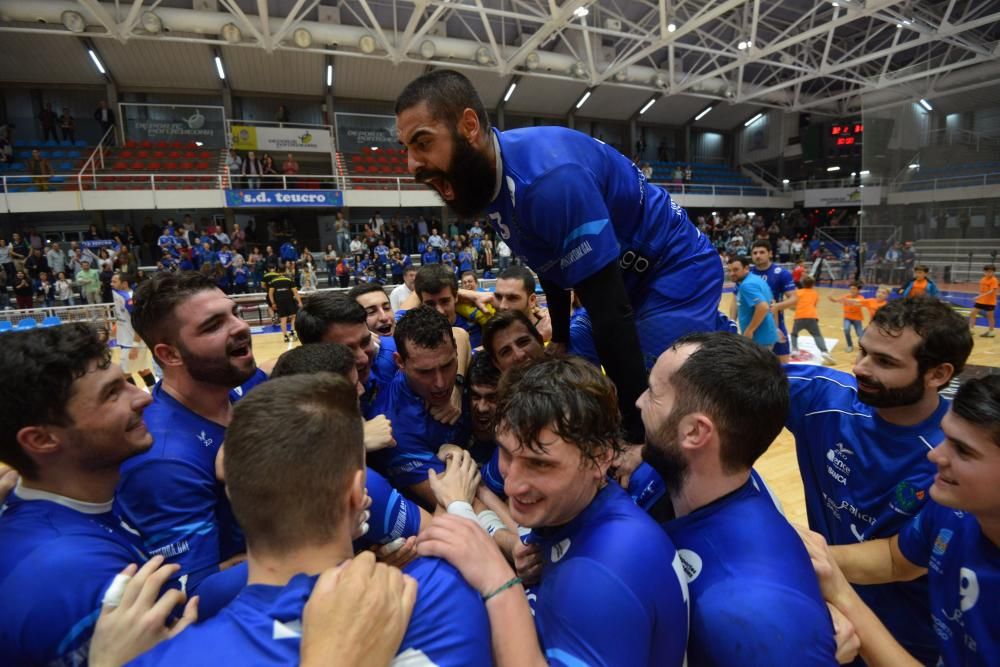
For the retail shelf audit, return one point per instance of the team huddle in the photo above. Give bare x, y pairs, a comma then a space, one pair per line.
570, 487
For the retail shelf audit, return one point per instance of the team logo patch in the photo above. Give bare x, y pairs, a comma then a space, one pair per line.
907, 498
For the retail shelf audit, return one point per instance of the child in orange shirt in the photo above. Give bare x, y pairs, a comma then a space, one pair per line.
807, 319
852, 301
881, 298
986, 302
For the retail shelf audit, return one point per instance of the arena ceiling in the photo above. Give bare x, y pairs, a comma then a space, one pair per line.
740, 56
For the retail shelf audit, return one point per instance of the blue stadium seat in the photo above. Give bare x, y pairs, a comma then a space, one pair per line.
80, 143
27, 323
51, 321
5, 325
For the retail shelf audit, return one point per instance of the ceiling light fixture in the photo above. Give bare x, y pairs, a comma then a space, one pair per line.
650, 103
704, 112
151, 23
231, 33
97, 61
583, 100
218, 68
925, 104
329, 75
753, 120
834, 168
580, 12
73, 21
510, 90
367, 43
302, 38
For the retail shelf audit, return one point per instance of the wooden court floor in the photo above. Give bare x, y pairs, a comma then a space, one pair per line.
778, 466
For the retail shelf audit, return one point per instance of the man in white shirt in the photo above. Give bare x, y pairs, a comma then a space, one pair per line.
400, 293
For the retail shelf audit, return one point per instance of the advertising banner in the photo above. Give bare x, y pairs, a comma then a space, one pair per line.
284, 198
357, 130
868, 196
280, 139
168, 122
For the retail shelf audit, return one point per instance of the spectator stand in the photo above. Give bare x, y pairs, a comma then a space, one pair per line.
66, 158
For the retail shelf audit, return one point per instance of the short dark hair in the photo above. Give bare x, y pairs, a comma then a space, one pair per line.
286, 485
432, 278
155, 301
502, 321
922, 267
978, 402
944, 334
519, 273
315, 358
742, 259
323, 309
470, 273
761, 243
990, 267
856, 283
365, 288
409, 268
447, 94
39, 368
741, 386
568, 395
482, 371
808, 281
424, 327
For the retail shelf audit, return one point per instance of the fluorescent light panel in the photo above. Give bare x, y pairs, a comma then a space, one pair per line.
833, 168
925, 104
650, 103
510, 90
753, 120
329, 75
864, 172
704, 112
218, 67
97, 61
583, 100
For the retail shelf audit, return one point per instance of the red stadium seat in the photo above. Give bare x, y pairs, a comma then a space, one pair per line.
121, 165
170, 166
174, 155
205, 155
162, 145
201, 166
187, 166
126, 155
147, 144
142, 155
177, 144
154, 166
131, 143
190, 155
138, 165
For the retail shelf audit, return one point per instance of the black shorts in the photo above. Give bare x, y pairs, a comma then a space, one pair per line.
286, 307
986, 308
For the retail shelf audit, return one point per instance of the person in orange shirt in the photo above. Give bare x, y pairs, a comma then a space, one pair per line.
881, 298
852, 302
921, 285
986, 302
807, 319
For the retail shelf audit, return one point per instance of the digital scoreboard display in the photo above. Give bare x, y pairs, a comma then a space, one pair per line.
846, 134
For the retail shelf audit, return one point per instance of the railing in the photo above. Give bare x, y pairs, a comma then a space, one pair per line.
98, 313
155, 181
950, 137
754, 169
843, 182
90, 167
972, 180
717, 190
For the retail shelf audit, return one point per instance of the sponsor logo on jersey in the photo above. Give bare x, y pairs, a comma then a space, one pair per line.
691, 562
575, 254
205, 440
559, 550
941, 541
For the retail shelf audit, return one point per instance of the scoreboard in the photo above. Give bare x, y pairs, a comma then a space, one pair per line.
846, 134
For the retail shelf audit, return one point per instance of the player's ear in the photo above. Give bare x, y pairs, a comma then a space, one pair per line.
469, 127
357, 490
398, 359
939, 376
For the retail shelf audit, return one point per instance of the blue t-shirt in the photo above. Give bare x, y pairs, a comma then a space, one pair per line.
171, 494
864, 478
963, 571
472, 327
429, 257
781, 283
464, 261
263, 626
571, 205
392, 515
749, 293
608, 595
57, 559
754, 595
418, 437
239, 392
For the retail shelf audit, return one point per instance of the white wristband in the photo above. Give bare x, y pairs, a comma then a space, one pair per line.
490, 522
462, 509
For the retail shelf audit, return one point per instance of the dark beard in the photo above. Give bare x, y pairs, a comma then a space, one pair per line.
663, 453
896, 397
471, 175
214, 370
